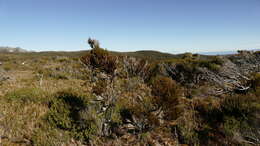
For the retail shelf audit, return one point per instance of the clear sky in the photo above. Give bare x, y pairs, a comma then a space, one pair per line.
126, 25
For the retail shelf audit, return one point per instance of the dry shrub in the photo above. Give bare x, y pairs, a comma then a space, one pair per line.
255, 82
100, 87
187, 124
166, 92
227, 117
139, 112
137, 67
165, 89
101, 59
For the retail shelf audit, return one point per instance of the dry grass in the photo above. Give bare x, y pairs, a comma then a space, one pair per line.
31, 104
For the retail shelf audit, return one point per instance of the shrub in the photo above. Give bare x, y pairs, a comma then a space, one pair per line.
210, 65
93, 43
231, 125
223, 118
166, 92
187, 55
138, 68
255, 81
71, 112
242, 107
139, 112
100, 87
213, 63
101, 59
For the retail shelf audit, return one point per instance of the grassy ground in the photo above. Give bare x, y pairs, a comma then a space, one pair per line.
50, 98
33, 79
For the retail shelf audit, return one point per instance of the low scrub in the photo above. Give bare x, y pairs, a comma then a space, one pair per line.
220, 120
26, 95
71, 112
101, 59
166, 93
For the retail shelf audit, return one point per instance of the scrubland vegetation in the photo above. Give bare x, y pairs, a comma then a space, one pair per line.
105, 98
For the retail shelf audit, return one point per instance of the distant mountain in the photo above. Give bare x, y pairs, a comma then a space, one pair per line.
150, 54
224, 52
12, 49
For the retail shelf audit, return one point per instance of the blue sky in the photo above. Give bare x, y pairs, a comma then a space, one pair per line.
127, 25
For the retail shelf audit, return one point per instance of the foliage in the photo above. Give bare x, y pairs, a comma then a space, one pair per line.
101, 59
66, 113
144, 106
53, 74
93, 43
100, 87
255, 83
25, 95
231, 115
166, 92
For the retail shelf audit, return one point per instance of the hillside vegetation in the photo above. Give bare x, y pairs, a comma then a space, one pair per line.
99, 97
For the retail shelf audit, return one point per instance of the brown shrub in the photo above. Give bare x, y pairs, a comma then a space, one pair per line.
166, 93
101, 59
255, 82
100, 87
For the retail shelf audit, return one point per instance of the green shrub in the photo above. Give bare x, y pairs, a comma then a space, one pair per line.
7, 68
187, 55
231, 125
213, 63
187, 125
226, 117
192, 63
241, 107
255, 81
71, 112
210, 65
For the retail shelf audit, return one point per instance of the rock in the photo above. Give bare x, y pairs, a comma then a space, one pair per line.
99, 98
103, 76
129, 126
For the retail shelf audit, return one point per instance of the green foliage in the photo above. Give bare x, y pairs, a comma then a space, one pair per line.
255, 82
233, 114
187, 125
192, 62
140, 105
231, 125
209, 65
45, 135
257, 52
26, 95
66, 113
241, 107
